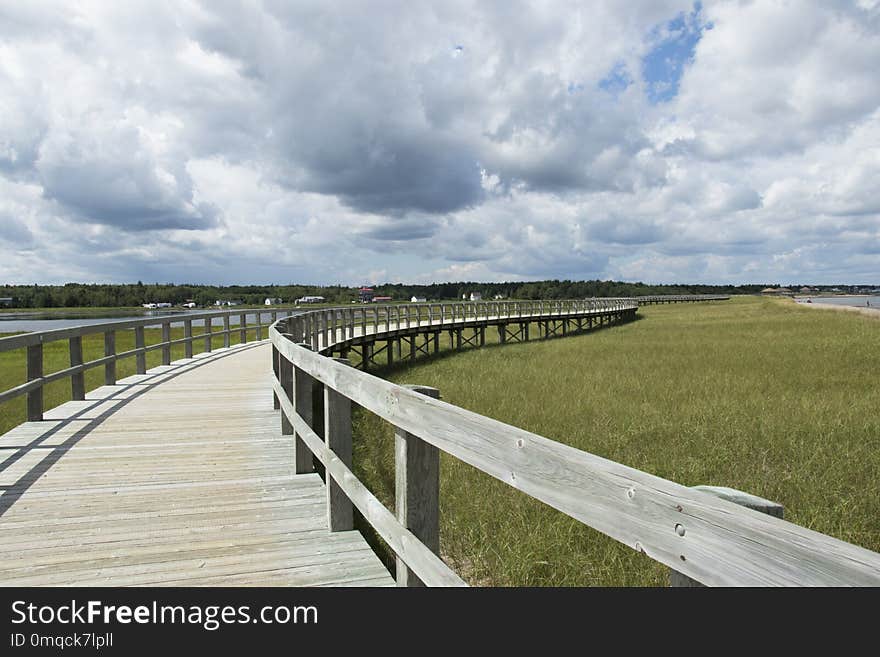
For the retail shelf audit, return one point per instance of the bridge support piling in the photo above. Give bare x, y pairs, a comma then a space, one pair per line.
502, 333
417, 490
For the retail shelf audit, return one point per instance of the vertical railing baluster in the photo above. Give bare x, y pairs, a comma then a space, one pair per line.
77, 381
209, 324
34, 372
227, 341
417, 490
242, 328
140, 355
303, 396
187, 338
337, 434
110, 350
166, 343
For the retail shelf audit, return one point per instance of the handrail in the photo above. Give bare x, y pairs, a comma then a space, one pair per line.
34, 341
711, 540
34, 344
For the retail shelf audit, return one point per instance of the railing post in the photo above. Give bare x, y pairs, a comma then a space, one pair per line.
417, 490
242, 328
226, 340
209, 323
110, 350
337, 434
34, 372
303, 393
259, 326
285, 380
141, 356
276, 369
188, 338
676, 579
77, 381
166, 347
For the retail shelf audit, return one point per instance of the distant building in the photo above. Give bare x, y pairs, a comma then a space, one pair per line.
311, 299
365, 294
476, 296
189, 303
5, 301
776, 291
381, 299
497, 297
272, 301
418, 300
223, 302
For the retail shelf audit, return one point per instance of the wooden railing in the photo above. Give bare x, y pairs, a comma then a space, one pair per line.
327, 327
679, 298
34, 343
708, 538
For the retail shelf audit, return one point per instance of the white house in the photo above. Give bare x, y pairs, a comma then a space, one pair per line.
476, 296
272, 301
310, 299
418, 300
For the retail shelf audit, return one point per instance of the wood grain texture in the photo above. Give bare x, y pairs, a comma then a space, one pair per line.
723, 544
177, 477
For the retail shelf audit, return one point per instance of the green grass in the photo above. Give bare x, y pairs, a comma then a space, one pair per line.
757, 394
56, 357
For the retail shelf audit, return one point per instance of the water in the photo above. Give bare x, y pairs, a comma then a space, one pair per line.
30, 322
860, 302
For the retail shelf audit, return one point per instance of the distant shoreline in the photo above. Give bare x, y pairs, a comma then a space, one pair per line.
869, 312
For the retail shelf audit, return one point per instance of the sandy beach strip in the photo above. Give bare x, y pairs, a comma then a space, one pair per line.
869, 312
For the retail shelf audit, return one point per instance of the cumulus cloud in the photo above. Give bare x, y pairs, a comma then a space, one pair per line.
270, 141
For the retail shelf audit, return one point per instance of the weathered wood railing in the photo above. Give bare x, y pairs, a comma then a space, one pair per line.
330, 327
679, 298
712, 540
34, 343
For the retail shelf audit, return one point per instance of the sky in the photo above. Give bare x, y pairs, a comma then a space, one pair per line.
366, 142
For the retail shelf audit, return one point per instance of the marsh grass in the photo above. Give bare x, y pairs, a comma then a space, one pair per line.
757, 394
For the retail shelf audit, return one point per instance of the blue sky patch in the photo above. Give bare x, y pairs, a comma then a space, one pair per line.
617, 80
673, 47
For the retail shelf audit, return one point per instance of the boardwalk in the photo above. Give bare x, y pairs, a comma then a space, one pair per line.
187, 483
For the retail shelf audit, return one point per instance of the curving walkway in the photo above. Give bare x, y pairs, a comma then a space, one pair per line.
187, 483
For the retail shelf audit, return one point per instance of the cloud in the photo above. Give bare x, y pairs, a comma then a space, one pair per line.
235, 142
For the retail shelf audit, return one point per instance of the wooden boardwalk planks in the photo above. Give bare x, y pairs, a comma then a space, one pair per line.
176, 477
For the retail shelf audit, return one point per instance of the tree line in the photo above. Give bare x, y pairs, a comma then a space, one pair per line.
77, 295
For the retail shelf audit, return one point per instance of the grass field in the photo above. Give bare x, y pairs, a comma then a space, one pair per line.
757, 394
56, 357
